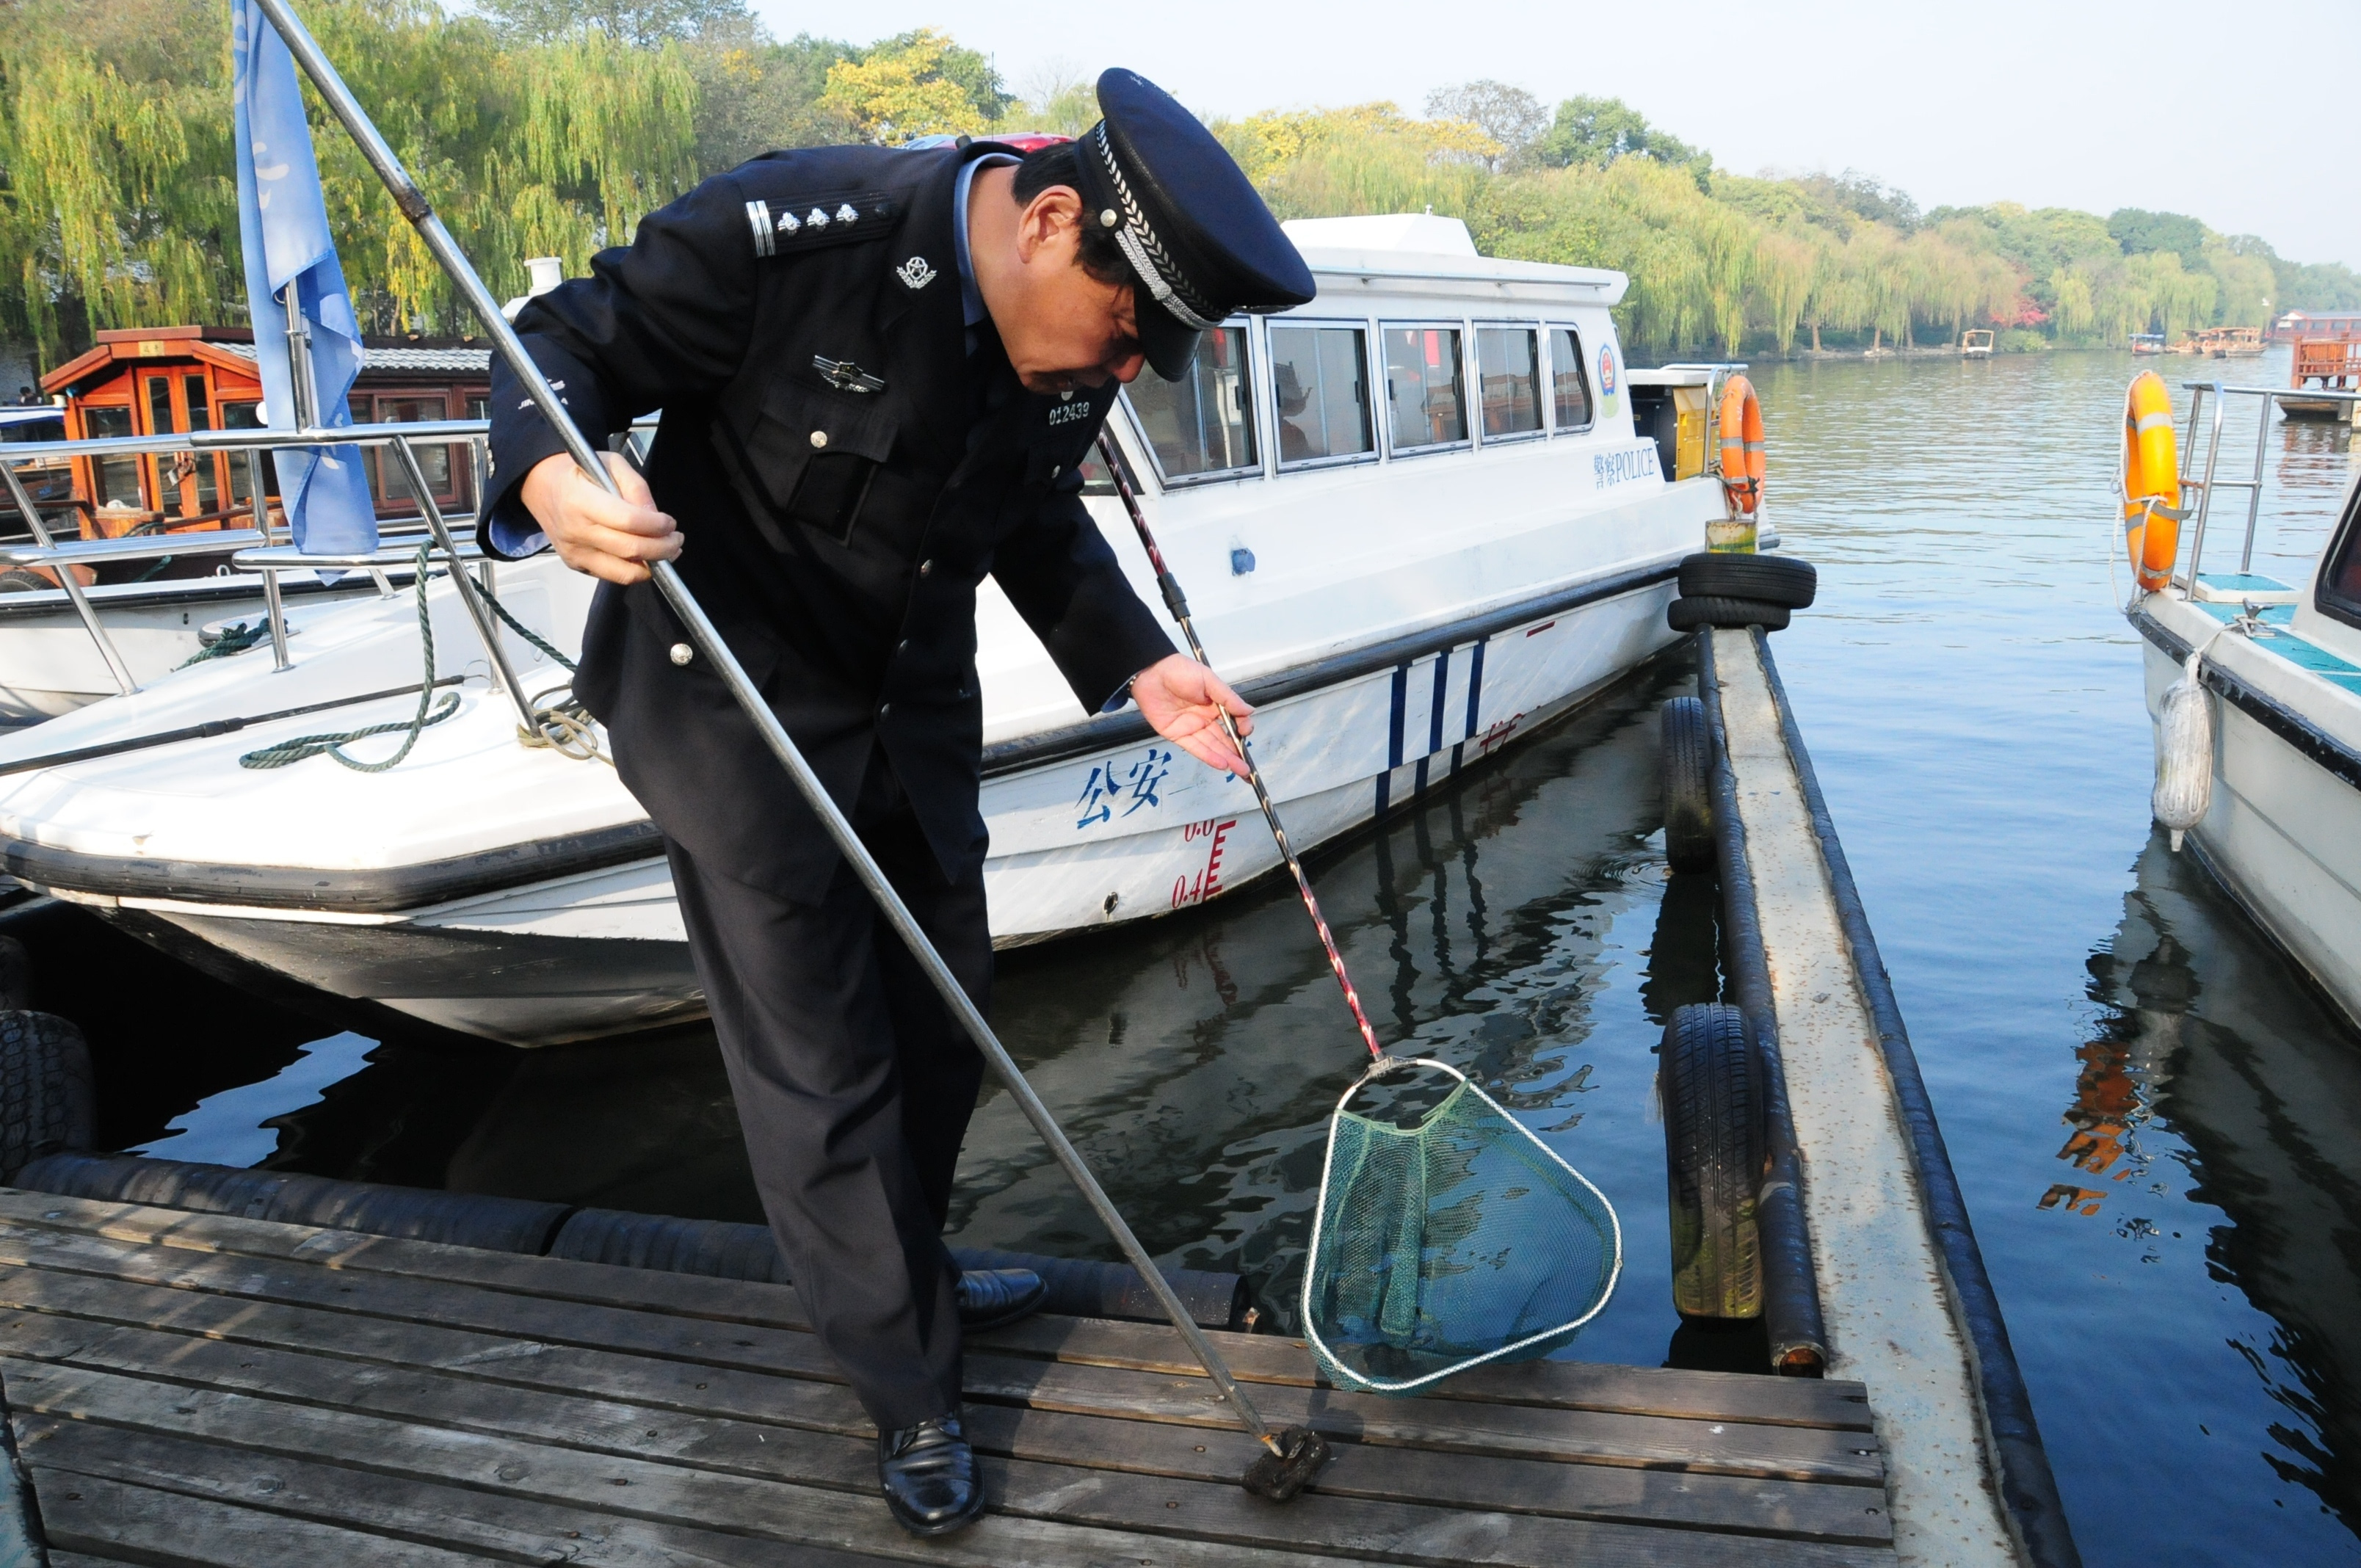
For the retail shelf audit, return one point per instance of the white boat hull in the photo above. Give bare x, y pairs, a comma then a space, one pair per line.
2283, 833
49, 665
605, 952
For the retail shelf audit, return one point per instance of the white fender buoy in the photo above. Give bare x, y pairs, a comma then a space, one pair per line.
2184, 753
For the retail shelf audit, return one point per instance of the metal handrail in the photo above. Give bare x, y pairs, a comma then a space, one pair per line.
2253, 486
232, 541
259, 438
290, 557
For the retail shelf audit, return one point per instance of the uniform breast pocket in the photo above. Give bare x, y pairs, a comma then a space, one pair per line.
814, 455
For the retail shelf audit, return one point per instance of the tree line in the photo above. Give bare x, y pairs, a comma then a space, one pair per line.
548, 127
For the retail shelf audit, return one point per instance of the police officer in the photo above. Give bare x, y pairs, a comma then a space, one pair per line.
880, 373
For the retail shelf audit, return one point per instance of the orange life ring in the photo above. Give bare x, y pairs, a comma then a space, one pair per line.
1742, 446
2151, 481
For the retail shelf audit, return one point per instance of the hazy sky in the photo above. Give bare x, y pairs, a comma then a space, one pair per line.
2239, 114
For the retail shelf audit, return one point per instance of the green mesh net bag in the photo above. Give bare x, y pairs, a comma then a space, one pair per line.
1448, 1238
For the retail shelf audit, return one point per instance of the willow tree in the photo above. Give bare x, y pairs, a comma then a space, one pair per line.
119, 208
120, 192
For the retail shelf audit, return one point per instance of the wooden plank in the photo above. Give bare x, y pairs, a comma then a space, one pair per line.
551, 1361
457, 1518
92, 1513
589, 1416
1802, 1453
1710, 1396
1095, 1511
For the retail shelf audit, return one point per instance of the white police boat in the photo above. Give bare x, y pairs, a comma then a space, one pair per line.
1414, 519
2269, 797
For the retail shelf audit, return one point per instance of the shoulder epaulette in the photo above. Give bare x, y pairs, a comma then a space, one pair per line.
835, 217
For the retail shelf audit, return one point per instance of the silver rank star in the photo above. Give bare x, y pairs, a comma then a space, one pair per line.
914, 272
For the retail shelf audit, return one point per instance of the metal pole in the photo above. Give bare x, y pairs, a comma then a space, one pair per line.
2254, 492
2205, 496
272, 610
1178, 603
73, 585
486, 627
708, 640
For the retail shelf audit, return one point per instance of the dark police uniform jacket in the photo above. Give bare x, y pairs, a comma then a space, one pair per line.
836, 524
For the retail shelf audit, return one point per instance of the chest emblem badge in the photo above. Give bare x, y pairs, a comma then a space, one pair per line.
914, 272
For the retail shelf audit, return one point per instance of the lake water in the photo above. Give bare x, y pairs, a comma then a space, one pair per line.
2156, 1126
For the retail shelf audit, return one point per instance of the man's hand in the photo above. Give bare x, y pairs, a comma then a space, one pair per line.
607, 536
1178, 695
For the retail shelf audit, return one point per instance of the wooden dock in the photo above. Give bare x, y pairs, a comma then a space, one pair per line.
204, 1389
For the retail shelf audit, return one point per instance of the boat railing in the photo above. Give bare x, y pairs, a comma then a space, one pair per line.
257, 549
2206, 486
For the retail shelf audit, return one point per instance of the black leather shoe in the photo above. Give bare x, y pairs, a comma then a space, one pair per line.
928, 1475
991, 1297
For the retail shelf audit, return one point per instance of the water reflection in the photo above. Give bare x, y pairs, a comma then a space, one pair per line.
1505, 926
2216, 1041
2173, 1250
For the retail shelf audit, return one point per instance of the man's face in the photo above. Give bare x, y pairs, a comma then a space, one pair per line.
1061, 327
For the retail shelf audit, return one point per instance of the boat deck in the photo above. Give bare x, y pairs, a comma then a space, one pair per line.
202, 1388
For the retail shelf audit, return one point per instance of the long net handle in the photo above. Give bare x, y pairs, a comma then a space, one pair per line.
708, 640
1177, 603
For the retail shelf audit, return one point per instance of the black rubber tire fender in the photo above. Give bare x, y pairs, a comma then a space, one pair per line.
48, 1097
1687, 757
1689, 614
1710, 1079
1775, 579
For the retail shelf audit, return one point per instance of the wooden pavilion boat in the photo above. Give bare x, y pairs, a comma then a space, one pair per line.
2318, 363
193, 505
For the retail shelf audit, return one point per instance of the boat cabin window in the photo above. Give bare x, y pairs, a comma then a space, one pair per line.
1507, 369
1571, 383
116, 478
1426, 387
1202, 425
388, 480
1318, 378
246, 416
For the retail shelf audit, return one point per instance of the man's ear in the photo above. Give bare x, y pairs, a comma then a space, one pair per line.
1052, 219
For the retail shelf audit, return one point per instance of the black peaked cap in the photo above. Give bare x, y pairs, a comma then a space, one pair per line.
1200, 240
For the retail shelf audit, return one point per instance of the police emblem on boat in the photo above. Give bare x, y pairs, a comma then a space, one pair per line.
916, 272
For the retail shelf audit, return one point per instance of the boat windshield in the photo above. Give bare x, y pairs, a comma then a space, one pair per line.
2338, 594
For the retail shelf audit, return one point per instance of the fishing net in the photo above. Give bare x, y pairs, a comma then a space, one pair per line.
1448, 1236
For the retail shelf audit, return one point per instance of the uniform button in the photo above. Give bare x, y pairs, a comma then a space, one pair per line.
902, 646
682, 653
884, 709
819, 438
1056, 469
926, 568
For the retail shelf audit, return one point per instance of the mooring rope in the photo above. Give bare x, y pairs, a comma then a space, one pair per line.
235, 639
304, 746
565, 726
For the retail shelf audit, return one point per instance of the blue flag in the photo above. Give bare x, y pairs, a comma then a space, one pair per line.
290, 262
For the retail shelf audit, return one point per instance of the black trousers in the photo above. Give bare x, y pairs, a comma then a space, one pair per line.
854, 1087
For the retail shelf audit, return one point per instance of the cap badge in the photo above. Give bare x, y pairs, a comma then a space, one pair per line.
914, 272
